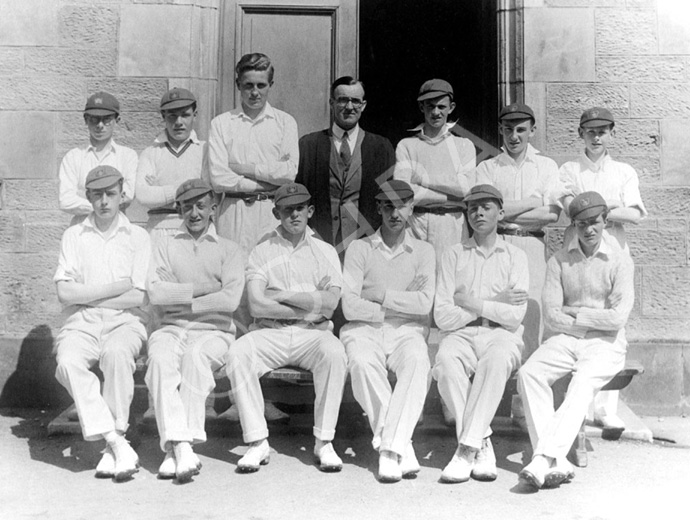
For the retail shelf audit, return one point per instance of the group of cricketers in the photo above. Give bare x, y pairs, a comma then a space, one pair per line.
337, 253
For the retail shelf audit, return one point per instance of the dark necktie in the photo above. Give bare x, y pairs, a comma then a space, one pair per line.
345, 152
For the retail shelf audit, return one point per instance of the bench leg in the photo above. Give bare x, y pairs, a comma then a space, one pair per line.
578, 451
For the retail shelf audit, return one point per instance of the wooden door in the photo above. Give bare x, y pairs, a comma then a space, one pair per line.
310, 42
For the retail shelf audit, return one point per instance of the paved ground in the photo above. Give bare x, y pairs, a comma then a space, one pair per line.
52, 477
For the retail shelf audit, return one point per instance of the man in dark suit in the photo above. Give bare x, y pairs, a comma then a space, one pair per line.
343, 167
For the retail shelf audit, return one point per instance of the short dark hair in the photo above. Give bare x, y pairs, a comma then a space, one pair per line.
254, 61
345, 80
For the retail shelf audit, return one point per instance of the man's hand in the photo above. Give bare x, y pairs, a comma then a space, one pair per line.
375, 294
284, 158
150, 178
512, 297
165, 275
571, 311
324, 284
417, 283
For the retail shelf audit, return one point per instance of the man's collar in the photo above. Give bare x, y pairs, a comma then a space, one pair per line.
471, 243
605, 247
163, 138
308, 234
530, 155
267, 112
338, 132
122, 222
592, 165
110, 146
445, 132
211, 232
377, 241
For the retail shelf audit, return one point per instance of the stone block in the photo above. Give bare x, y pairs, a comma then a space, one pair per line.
659, 100
626, 32
204, 43
31, 194
205, 90
559, 45
134, 94
562, 138
666, 292
659, 389
11, 231
70, 131
535, 97
11, 62
666, 202
44, 236
664, 246
674, 27
138, 129
648, 167
42, 93
165, 34
84, 25
675, 152
28, 22
27, 145
642, 69
568, 100
82, 61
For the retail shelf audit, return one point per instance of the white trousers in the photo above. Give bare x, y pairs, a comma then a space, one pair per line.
181, 363
593, 362
372, 350
441, 231
245, 224
114, 350
265, 349
491, 356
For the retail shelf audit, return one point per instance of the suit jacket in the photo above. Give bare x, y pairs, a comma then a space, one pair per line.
378, 160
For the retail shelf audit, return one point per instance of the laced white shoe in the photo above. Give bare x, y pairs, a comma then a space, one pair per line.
106, 466
409, 466
126, 460
327, 457
186, 462
535, 472
460, 466
257, 455
389, 467
485, 462
167, 467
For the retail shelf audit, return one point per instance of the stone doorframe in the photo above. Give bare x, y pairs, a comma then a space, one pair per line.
511, 83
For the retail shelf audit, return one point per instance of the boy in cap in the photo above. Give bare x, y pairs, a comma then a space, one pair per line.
101, 114
617, 182
436, 163
531, 189
387, 298
175, 156
196, 280
101, 279
252, 150
481, 298
293, 283
588, 295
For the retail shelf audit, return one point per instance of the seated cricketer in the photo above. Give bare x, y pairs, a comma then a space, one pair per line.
293, 283
588, 295
481, 299
196, 280
389, 289
101, 278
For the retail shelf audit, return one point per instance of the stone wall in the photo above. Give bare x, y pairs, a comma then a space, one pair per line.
632, 56
53, 54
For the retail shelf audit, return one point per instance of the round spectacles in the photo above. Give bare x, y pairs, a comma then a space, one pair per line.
342, 102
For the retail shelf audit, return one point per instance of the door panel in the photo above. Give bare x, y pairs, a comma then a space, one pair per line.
310, 44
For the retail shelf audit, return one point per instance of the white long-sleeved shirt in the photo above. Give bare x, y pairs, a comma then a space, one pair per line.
602, 286
467, 270
209, 259
270, 142
369, 261
445, 160
76, 165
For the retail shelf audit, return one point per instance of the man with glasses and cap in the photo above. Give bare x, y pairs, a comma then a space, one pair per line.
196, 280
342, 167
293, 282
387, 297
481, 299
588, 295
436, 163
101, 281
175, 156
101, 115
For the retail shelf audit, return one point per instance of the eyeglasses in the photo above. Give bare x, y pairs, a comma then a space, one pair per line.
95, 120
342, 102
